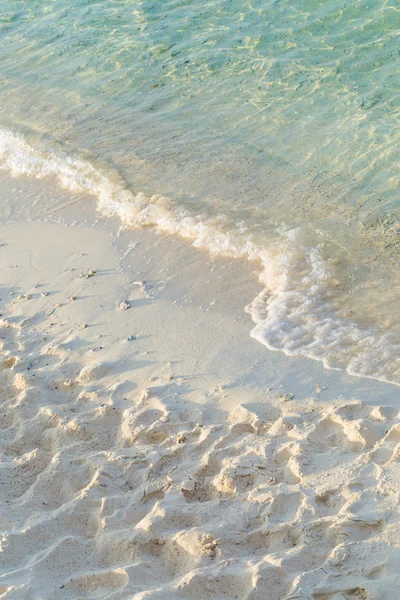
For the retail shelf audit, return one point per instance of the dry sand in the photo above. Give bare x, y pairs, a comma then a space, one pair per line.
150, 449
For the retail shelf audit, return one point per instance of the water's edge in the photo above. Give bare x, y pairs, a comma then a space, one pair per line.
297, 310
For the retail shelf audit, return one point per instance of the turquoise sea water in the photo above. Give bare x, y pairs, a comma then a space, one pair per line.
261, 129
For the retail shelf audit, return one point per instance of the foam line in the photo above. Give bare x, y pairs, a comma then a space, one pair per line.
297, 310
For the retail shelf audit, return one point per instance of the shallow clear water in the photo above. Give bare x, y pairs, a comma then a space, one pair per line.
270, 129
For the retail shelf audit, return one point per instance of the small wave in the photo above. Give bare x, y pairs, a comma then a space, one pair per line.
300, 315
297, 311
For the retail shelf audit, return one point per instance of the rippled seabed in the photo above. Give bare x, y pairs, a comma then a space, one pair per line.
265, 130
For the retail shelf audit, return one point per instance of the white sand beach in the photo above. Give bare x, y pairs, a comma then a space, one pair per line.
150, 449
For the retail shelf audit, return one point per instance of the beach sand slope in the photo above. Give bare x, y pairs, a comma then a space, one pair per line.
132, 465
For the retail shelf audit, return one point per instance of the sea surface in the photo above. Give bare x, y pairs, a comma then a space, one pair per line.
265, 130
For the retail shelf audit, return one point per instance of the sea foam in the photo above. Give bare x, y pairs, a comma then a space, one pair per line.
298, 309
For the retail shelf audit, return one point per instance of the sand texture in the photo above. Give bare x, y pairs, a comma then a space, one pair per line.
132, 466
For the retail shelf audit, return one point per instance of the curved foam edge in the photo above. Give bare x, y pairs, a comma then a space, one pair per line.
296, 312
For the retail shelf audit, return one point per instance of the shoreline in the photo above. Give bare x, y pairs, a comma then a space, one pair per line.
152, 449
314, 301
180, 263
